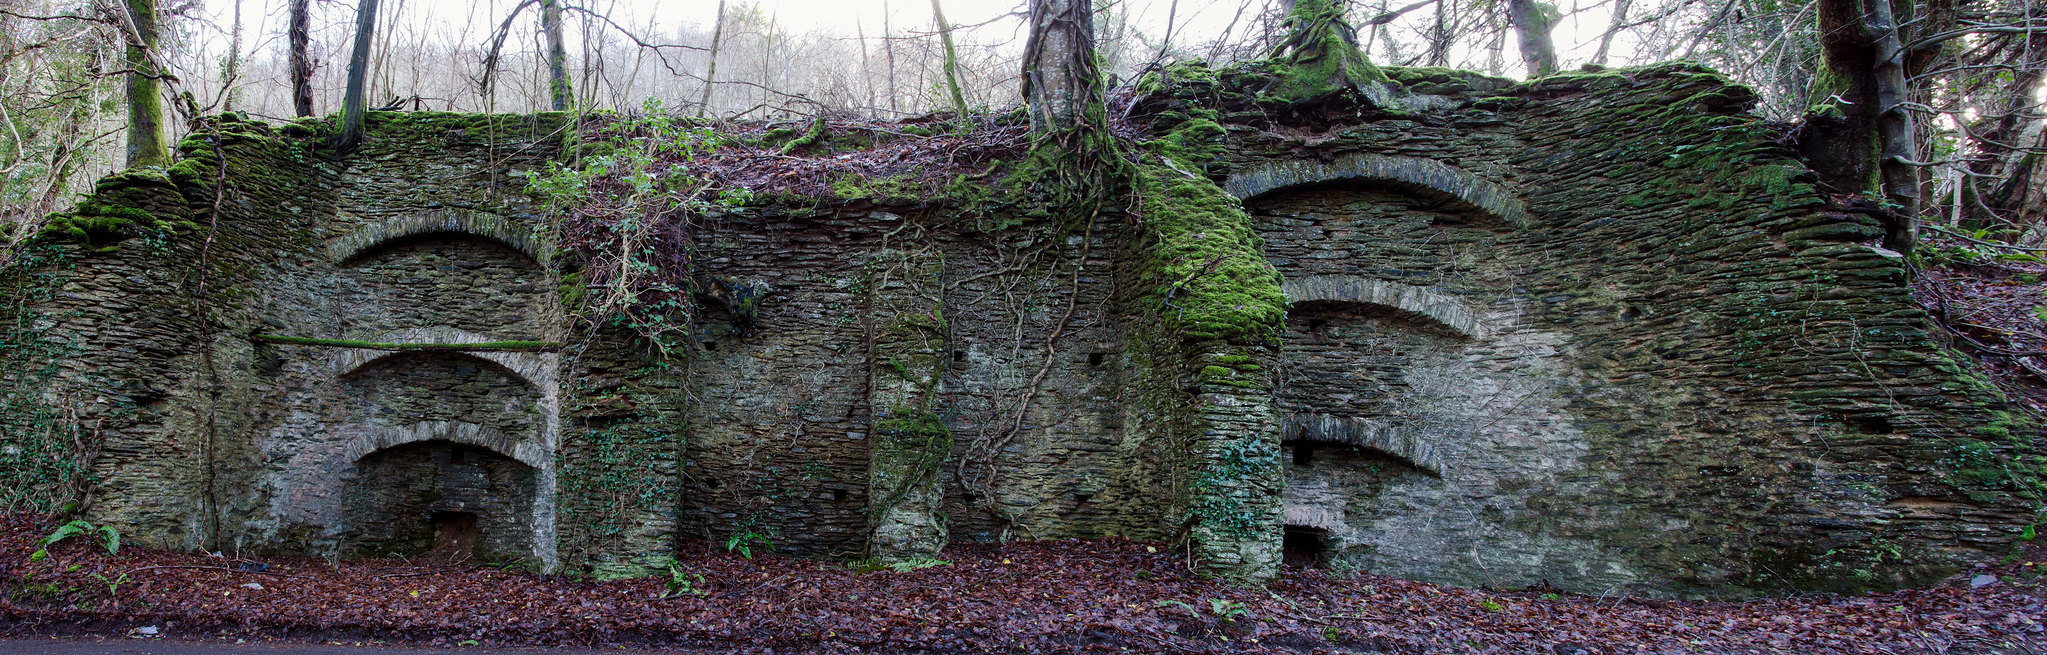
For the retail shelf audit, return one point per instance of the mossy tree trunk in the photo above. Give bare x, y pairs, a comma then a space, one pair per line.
353, 108
558, 87
711, 69
146, 144
1858, 134
300, 37
1532, 24
952, 62
1322, 57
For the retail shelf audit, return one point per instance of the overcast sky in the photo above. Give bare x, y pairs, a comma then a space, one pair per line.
1196, 21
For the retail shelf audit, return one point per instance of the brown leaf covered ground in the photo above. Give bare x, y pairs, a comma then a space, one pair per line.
1105, 595
1990, 306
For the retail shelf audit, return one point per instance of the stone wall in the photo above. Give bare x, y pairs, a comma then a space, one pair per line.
1601, 330
872, 309
1596, 330
248, 437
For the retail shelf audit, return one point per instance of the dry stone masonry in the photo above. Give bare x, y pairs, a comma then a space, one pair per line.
1596, 330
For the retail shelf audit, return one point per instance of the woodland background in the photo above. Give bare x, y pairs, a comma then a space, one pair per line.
1971, 70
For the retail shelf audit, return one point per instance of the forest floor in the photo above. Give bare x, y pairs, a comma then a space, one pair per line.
1105, 595
1992, 301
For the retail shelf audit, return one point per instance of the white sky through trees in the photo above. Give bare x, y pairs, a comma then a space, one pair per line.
988, 23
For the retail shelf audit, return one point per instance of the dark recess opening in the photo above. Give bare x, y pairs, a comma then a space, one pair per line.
838, 494
1304, 452
1095, 359
1081, 499
1870, 424
959, 355
710, 345
455, 537
1302, 546
1316, 325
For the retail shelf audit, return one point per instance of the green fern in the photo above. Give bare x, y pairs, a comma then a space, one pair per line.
107, 535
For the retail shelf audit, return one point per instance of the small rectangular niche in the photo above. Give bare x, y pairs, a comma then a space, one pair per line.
1303, 452
455, 537
1304, 547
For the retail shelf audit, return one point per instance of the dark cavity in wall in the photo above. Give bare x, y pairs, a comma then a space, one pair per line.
1304, 546
447, 501
455, 541
1871, 424
1303, 452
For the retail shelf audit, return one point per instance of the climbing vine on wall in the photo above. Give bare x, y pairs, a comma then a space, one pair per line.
1220, 491
45, 457
622, 200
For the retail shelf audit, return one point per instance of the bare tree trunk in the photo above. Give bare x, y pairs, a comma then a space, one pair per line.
866, 63
146, 146
711, 71
64, 159
353, 107
1166, 44
558, 88
888, 38
380, 57
1620, 18
300, 36
2010, 136
1440, 36
1857, 133
1532, 21
1060, 81
1496, 60
497, 46
1894, 127
231, 69
767, 59
952, 62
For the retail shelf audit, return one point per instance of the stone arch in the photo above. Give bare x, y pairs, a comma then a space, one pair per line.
452, 493
1412, 174
533, 368
1441, 310
387, 437
441, 221
1394, 440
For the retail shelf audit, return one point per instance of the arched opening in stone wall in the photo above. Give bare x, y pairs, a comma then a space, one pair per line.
1361, 374
440, 280
451, 501
401, 390
448, 462
1413, 389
